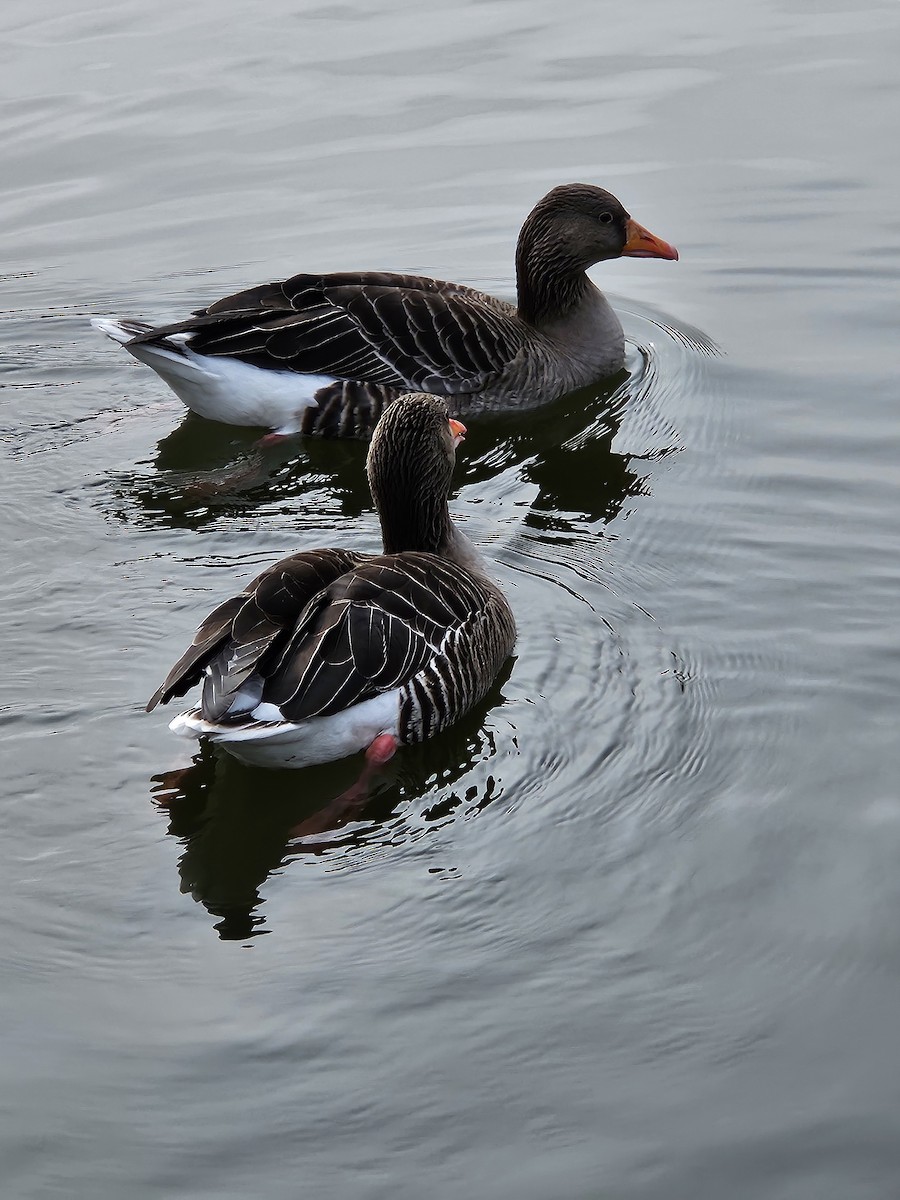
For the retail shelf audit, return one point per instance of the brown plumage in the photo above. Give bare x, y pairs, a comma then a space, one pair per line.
362, 338
403, 642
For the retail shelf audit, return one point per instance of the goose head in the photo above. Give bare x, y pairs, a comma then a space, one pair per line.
586, 225
570, 229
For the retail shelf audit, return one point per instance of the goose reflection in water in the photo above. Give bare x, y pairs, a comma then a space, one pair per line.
240, 824
204, 471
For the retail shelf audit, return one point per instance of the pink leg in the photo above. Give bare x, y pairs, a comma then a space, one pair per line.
227, 479
340, 810
273, 439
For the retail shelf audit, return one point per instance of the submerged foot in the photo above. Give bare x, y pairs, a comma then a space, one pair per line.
273, 439
338, 812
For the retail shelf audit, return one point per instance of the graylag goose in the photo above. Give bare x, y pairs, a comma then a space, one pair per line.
329, 652
325, 353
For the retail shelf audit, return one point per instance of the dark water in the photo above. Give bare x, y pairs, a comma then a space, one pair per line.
631, 929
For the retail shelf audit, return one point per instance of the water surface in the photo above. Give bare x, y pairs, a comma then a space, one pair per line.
629, 929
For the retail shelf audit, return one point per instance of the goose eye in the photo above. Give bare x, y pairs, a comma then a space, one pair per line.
606, 217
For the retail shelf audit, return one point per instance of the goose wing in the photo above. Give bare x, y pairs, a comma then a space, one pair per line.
371, 631
236, 638
402, 331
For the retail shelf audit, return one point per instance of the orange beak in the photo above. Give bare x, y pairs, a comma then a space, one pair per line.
458, 430
641, 243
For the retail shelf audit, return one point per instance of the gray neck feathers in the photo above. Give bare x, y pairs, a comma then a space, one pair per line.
550, 279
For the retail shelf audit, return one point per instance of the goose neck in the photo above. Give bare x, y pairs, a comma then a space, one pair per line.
551, 282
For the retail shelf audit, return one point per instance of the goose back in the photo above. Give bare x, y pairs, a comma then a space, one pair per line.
402, 331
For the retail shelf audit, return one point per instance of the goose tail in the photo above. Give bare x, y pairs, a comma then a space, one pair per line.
120, 329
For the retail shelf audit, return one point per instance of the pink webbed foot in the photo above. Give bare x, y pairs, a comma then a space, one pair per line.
343, 808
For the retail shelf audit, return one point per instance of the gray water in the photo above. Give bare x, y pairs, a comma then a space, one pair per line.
630, 930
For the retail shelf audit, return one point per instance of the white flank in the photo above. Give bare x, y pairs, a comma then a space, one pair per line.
317, 740
222, 388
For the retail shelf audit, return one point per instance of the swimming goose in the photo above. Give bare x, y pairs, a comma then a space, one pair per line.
330, 652
325, 353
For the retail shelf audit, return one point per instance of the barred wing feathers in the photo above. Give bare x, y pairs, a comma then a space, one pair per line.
373, 630
402, 331
236, 638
